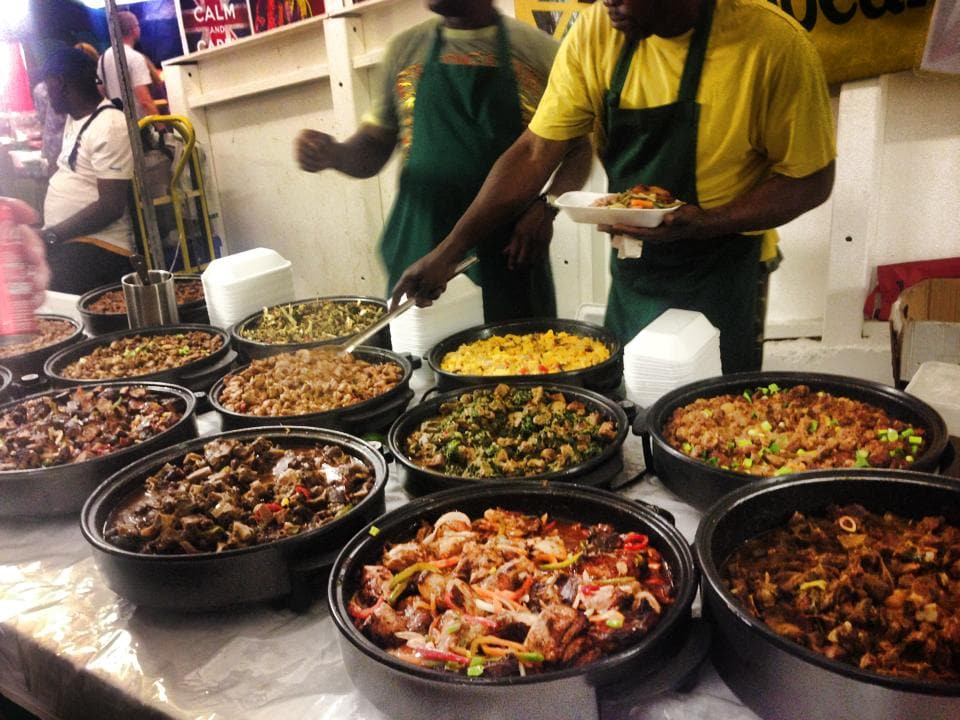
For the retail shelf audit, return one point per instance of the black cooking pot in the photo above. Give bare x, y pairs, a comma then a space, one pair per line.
369, 416
777, 678
206, 581
403, 691
605, 377
6, 377
32, 362
197, 375
62, 489
701, 484
194, 312
597, 471
252, 349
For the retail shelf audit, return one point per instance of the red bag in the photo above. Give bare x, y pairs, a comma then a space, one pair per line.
894, 279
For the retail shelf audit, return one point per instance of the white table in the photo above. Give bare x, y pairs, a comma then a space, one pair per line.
71, 648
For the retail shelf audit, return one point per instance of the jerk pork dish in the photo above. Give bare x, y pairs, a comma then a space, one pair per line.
509, 432
52, 331
311, 321
306, 381
145, 354
510, 594
239, 494
879, 592
79, 424
770, 431
112, 302
534, 353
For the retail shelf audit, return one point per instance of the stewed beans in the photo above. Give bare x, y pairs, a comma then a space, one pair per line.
306, 381
143, 355
70, 426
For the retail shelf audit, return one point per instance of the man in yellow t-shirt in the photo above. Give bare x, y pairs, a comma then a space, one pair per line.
722, 102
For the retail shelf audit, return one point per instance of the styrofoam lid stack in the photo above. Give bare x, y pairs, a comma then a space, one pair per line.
938, 384
237, 285
677, 348
418, 329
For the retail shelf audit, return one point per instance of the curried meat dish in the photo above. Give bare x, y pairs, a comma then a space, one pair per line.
770, 431
238, 494
509, 432
306, 381
52, 331
78, 424
312, 321
510, 594
138, 355
879, 592
536, 353
639, 197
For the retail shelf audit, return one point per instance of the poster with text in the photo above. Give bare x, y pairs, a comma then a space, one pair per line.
206, 24
270, 14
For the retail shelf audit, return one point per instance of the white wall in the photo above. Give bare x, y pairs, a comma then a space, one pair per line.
897, 194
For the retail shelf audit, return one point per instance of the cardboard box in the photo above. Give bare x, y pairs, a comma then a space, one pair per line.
924, 326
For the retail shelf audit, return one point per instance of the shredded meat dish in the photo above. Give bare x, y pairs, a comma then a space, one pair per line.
880, 592
70, 426
137, 355
52, 331
770, 431
510, 594
312, 321
509, 432
306, 381
112, 302
239, 494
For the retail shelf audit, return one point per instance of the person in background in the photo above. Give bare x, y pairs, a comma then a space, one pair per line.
87, 226
137, 65
457, 91
52, 122
25, 217
723, 103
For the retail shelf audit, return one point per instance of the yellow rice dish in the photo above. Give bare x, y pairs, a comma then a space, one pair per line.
529, 354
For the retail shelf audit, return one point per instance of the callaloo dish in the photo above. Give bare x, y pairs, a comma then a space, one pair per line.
233, 493
311, 321
509, 593
509, 432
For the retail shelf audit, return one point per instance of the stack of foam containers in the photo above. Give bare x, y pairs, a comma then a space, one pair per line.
677, 348
238, 285
419, 329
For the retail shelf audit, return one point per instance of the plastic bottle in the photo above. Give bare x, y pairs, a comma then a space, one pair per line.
17, 321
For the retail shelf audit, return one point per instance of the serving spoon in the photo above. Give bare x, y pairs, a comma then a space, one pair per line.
365, 335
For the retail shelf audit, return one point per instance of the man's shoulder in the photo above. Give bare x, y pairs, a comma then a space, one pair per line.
760, 21
523, 34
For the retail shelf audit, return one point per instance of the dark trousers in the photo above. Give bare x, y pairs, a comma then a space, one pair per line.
77, 267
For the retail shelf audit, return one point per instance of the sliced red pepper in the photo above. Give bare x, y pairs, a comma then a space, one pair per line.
543, 369
589, 589
635, 542
486, 622
364, 613
440, 655
276, 507
303, 491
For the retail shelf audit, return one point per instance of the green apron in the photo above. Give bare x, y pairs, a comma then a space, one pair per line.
717, 276
463, 119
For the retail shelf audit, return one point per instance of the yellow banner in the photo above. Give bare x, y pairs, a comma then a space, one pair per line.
856, 38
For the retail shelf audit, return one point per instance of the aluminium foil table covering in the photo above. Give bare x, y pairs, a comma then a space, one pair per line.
71, 648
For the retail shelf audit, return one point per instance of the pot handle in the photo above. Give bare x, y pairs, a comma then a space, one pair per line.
435, 390
416, 362
662, 512
676, 671
641, 429
377, 444
630, 408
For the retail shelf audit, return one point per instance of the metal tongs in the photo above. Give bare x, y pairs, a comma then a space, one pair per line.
365, 335
140, 267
